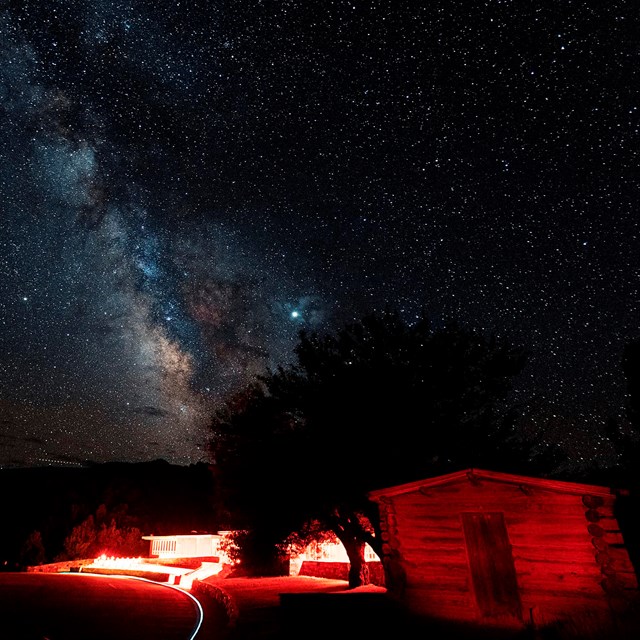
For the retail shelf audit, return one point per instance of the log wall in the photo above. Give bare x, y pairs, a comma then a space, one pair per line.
567, 550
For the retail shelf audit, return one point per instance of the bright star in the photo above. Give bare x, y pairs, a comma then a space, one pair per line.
294, 314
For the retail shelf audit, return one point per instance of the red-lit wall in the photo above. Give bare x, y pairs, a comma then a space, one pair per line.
340, 571
566, 552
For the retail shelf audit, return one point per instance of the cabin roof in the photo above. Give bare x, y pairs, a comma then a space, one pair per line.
472, 475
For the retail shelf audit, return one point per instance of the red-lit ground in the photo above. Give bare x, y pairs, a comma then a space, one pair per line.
307, 608
35, 606
282, 608
258, 613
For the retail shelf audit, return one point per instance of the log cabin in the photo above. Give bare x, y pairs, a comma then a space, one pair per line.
506, 551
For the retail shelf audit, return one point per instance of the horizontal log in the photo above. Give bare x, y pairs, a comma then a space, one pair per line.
515, 518
437, 565
600, 543
596, 515
604, 559
616, 555
427, 525
605, 513
553, 541
440, 554
422, 518
520, 519
571, 517
489, 490
569, 602
587, 615
566, 600
538, 528
592, 515
592, 502
481, 497
620, 581
438, 517
442, 513
534, 526
614, 538
553, 537
427, 536
436, 555
614, 535
458, 574
566, 583
557, 568
582, 553
517, 527
415, 557
444, 505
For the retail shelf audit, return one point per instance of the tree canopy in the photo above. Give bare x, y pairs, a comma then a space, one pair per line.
381, 402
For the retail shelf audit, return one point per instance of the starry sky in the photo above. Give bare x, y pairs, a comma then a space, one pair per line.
185, 184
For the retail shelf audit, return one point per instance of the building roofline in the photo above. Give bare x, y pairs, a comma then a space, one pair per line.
182, 535
496, 476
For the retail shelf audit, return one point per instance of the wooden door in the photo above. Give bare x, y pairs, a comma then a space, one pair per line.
493, 573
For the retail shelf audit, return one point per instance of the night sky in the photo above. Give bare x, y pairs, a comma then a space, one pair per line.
184, 185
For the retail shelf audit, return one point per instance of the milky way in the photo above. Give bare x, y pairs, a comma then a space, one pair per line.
186, 185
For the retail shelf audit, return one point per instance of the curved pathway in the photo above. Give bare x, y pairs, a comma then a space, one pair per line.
68, 606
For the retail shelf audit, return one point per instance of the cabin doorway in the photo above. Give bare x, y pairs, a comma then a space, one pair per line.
493, 573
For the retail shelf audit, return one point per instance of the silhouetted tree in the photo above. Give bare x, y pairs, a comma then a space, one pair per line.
379, 403
102, 534
154, 496
32, 552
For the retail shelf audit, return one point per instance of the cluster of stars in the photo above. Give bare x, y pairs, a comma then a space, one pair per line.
184, 188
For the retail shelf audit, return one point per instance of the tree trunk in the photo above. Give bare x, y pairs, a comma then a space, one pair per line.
358, 569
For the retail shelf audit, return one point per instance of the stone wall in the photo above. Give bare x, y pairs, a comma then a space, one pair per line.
340, 571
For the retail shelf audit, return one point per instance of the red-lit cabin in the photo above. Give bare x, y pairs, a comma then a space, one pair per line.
498, 549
